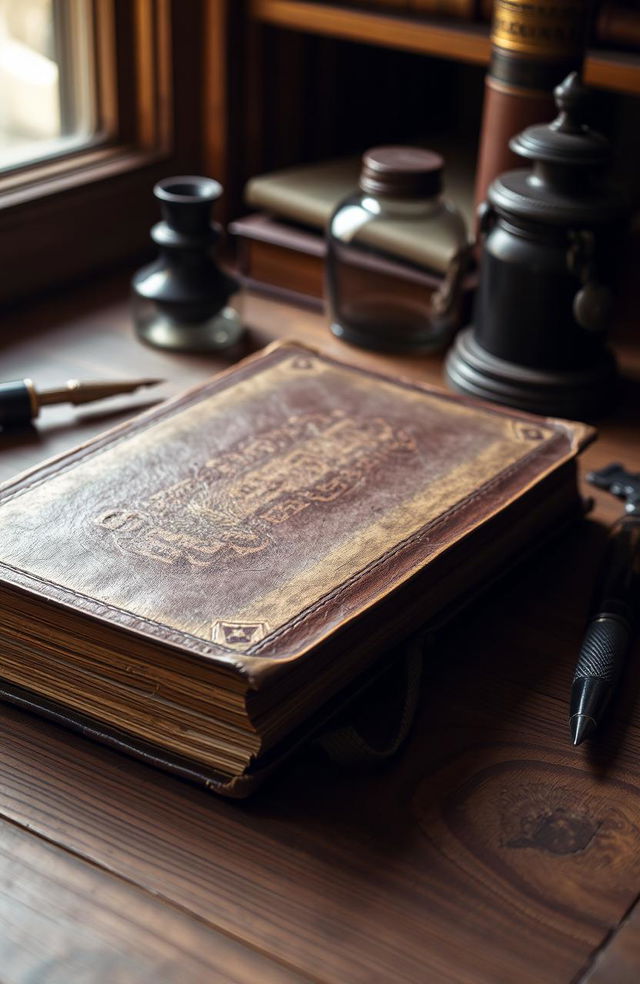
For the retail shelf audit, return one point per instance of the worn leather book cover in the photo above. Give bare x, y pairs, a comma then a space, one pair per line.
199, 584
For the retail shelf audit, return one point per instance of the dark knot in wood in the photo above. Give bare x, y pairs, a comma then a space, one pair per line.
556, 831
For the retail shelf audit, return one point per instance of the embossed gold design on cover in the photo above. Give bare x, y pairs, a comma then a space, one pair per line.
252, 504
234, 502
523, 430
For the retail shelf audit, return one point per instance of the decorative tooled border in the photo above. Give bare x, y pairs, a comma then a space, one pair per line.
415, 538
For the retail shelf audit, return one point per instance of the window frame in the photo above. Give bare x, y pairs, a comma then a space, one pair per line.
89, 208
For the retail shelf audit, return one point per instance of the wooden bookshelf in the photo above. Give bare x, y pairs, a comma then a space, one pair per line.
612, 70
443, 40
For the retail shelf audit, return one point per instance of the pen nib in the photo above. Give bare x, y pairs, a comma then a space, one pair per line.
77, 391
581, 727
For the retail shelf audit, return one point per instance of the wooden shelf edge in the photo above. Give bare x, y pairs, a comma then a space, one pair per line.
613, 70
469, 43
616, 71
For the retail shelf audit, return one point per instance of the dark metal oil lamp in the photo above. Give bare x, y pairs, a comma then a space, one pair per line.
543, 303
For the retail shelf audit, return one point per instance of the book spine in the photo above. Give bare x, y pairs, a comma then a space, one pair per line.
535, 44
618, 25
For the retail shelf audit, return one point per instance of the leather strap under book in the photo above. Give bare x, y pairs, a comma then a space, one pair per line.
377, 724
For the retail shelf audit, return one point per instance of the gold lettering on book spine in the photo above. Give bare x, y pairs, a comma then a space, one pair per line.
539, 28
235, 502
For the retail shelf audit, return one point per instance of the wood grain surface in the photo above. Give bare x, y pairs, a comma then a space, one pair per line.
488, 852
63, 921
619, 958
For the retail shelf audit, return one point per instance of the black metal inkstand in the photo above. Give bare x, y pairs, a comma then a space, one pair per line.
542, 308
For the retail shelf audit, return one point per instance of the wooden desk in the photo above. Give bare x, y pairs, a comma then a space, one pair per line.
488, 852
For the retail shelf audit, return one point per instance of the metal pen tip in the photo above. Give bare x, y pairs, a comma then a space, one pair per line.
581, 727
77, 391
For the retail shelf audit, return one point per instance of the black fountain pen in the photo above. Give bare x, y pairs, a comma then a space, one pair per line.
612, 618
20, 401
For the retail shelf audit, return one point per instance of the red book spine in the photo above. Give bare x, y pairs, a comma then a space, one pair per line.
535, 44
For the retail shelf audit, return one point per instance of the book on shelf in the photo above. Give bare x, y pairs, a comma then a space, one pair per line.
280, 259
308, 193
534, 46
200, 586
282, 247
287, 261
618, 24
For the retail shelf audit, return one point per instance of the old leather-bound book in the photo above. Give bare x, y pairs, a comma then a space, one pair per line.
199, 586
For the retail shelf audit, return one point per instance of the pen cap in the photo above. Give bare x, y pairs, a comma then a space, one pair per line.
18, 404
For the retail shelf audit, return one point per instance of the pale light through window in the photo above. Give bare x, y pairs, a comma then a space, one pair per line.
46, 79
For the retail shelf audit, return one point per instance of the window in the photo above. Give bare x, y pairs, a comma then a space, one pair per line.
47, 79
99, 99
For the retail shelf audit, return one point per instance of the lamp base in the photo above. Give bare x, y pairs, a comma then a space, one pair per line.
582, 393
